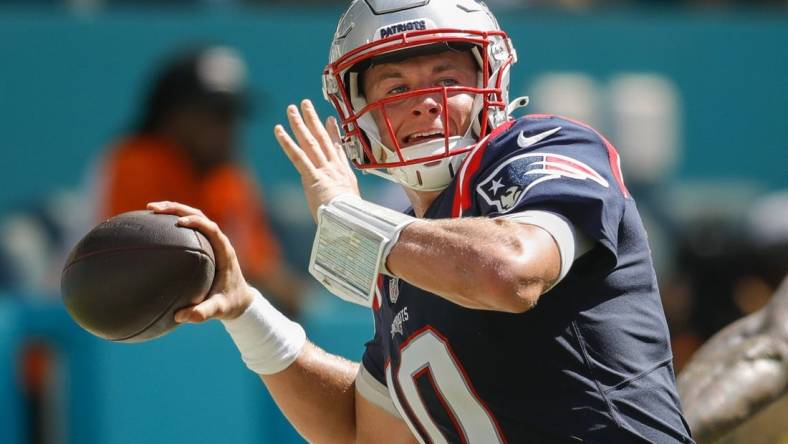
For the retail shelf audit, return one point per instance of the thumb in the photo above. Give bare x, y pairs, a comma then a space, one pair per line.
212, 307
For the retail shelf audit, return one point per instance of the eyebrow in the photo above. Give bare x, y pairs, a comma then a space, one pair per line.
393, 73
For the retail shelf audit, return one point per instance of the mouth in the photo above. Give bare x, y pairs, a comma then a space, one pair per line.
422, 136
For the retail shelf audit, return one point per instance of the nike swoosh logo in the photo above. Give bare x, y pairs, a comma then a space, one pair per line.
525, 142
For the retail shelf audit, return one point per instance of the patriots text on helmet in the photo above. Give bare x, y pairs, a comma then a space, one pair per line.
416, 25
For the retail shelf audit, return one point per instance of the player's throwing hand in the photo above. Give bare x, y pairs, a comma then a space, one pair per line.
317, 155
230, 295
268, 341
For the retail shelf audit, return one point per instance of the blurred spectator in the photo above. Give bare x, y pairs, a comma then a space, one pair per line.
184, 148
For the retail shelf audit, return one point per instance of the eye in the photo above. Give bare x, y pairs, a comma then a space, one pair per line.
448, 82
397, 90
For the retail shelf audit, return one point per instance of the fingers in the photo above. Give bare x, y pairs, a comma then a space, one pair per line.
333, 130
308, 141
222, 248
314, 145
317, 129
297, 156
194, 218
178, 209
336, 138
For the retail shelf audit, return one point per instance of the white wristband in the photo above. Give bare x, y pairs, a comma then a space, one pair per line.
268, 341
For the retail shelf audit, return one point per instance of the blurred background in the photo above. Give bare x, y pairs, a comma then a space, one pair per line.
691, 92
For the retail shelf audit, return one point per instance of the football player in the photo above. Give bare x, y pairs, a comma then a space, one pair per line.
514, 302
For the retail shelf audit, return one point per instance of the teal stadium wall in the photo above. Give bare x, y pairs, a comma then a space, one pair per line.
69, 84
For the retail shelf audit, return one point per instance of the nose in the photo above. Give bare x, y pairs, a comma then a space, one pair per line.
427, 104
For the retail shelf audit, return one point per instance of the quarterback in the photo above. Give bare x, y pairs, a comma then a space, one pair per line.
515, 301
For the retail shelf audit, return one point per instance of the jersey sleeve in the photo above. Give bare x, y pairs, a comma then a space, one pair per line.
373, 391
570, 243
556, 166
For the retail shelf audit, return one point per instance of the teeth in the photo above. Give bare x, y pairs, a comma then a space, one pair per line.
425, 134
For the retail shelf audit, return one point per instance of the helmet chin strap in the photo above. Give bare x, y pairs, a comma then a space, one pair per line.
428, 176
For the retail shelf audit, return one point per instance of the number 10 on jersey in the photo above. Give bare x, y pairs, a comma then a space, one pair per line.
427, 356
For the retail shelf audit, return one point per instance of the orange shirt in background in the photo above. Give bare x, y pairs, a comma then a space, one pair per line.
146, 169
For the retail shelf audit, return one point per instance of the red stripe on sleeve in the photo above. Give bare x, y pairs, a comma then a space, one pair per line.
612, 153
569, 165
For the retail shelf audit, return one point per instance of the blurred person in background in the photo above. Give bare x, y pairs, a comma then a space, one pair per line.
743, 368
185, 148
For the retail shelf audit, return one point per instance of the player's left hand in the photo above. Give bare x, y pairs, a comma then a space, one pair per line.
317, 155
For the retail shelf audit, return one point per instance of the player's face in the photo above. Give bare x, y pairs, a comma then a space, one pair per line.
420, 119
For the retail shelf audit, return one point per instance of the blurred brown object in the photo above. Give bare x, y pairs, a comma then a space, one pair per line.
738, 372
743, 368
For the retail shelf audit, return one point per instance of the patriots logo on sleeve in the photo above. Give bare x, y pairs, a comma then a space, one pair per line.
509, 183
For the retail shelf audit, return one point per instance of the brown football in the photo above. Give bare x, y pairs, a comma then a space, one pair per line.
126, 278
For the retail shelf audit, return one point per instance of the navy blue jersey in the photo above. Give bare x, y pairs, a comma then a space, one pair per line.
591, 362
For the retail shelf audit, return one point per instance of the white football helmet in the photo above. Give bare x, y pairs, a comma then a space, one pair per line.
372, 31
